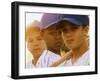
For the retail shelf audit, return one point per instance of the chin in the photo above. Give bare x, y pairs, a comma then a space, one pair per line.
72, 47
57, 48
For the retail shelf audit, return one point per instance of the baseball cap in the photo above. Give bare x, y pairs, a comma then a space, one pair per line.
49, 19
75, 19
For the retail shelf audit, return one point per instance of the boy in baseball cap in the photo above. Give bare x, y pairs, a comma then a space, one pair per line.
51, 33
74, 33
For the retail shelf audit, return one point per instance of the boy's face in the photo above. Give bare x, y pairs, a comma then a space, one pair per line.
35, 43
52, 37
74, 36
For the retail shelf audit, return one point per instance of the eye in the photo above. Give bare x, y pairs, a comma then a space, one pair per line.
74, 28
52, 33
39, 38
64, 30
30, 40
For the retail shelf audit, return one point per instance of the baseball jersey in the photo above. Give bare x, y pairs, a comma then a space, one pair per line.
44, 60
82, 61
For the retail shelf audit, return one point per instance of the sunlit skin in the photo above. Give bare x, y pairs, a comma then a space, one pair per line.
75, 38
53, 39
35, 44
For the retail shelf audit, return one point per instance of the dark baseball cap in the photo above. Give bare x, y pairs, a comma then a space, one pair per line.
75, 19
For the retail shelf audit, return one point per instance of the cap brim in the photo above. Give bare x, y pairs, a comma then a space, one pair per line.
71, 21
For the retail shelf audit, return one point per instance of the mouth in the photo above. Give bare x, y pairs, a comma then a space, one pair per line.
36, 49
58, 44
69, 40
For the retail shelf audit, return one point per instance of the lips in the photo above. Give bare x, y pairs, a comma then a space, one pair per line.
37, 49
58, 43
69, 40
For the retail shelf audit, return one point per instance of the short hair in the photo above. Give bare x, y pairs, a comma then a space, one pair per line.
31, 28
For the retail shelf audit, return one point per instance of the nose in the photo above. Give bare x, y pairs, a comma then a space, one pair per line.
67, 34
58, 35
35, 43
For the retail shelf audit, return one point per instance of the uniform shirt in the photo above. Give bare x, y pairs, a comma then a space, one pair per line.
44, 60
82, 61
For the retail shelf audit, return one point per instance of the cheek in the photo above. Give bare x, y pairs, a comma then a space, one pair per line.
29, 47
46, 37
41, 43
49, 39
79, 37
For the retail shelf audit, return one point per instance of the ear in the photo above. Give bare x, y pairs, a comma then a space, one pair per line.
42, 33
86, 29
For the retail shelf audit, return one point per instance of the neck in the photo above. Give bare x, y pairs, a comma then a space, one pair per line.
34, 61
78, 52
55, 51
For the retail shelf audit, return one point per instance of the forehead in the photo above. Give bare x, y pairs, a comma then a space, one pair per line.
33, 35
32, 30
52, 28
66, 24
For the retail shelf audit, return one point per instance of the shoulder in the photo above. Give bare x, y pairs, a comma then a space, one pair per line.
52, 57
47, 58
84, 59
52, 54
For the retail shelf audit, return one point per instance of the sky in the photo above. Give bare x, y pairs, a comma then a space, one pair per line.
30, 17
